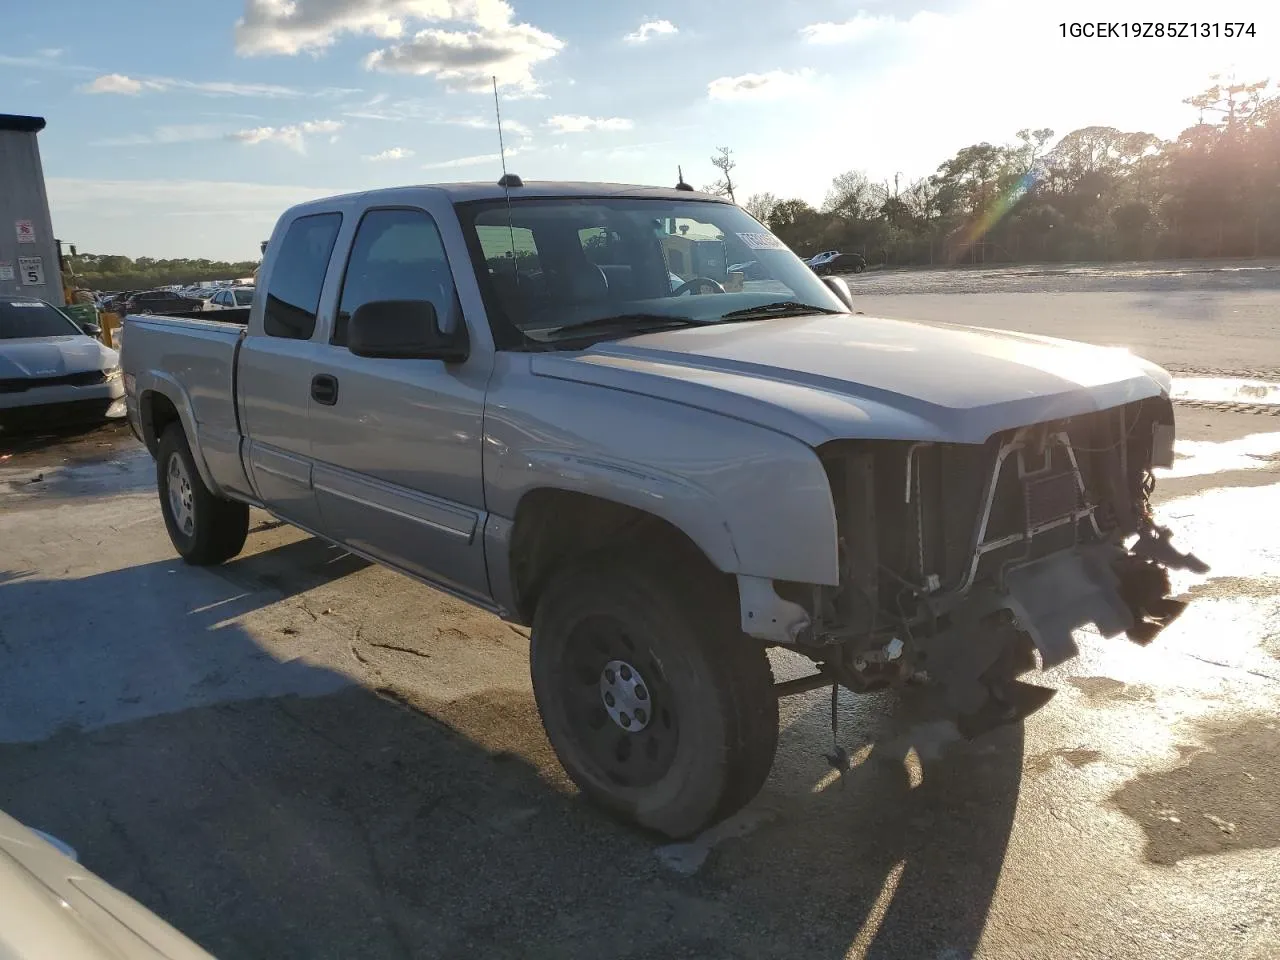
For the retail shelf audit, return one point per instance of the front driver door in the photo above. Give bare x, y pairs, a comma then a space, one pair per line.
397, 447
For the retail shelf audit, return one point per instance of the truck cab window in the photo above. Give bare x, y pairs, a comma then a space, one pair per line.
298, 275
396, 255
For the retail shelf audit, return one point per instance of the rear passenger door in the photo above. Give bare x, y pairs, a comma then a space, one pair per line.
276, 370
398, 446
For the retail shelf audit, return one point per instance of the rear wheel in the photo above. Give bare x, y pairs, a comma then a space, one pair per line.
659, 708
205, 529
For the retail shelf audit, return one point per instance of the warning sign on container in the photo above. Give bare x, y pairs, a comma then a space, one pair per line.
25, 230
32, 270
6, 270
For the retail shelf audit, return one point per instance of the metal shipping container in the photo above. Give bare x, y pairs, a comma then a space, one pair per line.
28, 255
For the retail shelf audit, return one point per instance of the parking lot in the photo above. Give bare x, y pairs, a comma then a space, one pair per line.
299, 754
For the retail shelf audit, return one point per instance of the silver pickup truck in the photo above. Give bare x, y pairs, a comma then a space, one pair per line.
557, 402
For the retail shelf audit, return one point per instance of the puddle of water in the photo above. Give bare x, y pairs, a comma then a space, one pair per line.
1224, 623
1226, 389
1197, 458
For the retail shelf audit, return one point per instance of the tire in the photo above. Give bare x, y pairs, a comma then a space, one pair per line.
859, 266
205, 529
708, 742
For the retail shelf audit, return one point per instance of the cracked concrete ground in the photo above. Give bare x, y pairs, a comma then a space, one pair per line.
302, 755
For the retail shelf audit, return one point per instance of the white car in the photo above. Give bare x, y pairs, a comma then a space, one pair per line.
50, 906
230, 298
52, 371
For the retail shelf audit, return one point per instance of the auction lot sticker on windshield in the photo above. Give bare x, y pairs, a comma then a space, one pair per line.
761, 241
6, 270
32, 270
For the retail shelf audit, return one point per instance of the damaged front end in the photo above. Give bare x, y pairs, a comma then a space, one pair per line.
959, 562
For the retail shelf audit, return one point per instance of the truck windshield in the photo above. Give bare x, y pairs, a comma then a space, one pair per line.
25, 319
560, 269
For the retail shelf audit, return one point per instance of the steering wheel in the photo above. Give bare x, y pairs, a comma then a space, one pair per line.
689, 285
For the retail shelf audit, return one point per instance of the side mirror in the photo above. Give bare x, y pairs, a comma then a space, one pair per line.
404, 330
92, 330
841, 289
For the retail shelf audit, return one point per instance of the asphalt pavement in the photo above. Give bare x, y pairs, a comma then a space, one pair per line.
299, 754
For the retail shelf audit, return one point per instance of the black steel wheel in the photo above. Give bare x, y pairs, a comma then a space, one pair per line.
657, 705
620, 702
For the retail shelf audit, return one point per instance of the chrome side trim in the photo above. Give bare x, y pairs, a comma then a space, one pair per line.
405, 503
463, 535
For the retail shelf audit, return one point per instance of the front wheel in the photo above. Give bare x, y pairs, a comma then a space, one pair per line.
657, 705
205, 529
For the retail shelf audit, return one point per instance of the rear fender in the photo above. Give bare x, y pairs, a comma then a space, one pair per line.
152, 382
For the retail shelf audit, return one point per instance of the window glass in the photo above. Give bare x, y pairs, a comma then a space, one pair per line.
549, 265
244, 296
298, 275
20, 319
396, 255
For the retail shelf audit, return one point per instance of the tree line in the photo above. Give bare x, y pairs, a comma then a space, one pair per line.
102, 272
1097, 193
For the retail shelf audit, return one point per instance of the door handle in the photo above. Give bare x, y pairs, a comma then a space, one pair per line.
324, 389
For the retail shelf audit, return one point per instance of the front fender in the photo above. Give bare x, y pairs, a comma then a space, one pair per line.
755, 501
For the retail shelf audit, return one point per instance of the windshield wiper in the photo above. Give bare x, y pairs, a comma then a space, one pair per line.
781, 308
631, 322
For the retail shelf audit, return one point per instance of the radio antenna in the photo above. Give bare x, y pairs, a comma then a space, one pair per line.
502, 150
506, 184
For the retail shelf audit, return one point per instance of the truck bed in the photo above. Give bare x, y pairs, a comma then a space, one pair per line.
198, 357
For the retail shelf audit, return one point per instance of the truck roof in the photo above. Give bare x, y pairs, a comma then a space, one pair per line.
489, 190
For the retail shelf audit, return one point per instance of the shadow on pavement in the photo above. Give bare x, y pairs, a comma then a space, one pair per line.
341, 823
77, 440
1225, 797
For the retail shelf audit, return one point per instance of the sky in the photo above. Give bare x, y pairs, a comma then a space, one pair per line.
183, 128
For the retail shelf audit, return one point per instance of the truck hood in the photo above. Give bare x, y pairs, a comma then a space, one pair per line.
839, 376
53, 357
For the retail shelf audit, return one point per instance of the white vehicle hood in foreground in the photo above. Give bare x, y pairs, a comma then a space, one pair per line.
845, 376
51, 907
53, 357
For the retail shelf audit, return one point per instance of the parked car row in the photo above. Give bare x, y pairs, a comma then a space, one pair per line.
830, 262
165, 301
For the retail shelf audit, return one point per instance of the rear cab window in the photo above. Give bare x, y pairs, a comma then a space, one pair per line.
297, 276
397, 254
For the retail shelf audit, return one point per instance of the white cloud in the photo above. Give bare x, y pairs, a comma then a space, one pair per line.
292, 136
427, 111
395, 153
650, 29
492, 45
114, 83
466, 60
174, 133
565, 123
132, 86
50, 52
474, 161
861, 27
774, 85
